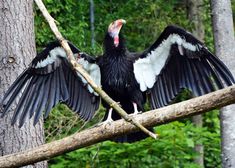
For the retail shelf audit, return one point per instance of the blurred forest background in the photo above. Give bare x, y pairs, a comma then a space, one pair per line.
146, 19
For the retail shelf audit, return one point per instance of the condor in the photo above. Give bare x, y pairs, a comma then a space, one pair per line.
175, 61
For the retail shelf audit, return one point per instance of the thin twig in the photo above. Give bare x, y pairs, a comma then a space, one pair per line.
79, 68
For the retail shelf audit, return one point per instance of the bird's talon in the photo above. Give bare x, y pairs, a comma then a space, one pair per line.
107, 122
139, 112
136, 113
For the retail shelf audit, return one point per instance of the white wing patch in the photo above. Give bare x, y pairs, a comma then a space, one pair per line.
94, 72
92, 69
53, 54
146, 69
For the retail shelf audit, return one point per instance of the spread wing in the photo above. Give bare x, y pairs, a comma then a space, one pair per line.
50, 79
178, 60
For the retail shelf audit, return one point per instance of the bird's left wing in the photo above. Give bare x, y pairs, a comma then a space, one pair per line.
178, 60
51, 79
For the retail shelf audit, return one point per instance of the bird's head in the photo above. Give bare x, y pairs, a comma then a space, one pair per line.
114, 29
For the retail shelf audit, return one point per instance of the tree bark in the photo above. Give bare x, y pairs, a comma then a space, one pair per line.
103, 132
17, 48
225, 49
92, 20
195, 15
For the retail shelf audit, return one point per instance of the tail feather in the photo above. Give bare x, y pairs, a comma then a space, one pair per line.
132, 137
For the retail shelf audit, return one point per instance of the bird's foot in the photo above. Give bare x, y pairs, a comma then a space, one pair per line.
109, 119
135, 109
106, 122
136, 112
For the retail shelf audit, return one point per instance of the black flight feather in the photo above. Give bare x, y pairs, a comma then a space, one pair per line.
48, 80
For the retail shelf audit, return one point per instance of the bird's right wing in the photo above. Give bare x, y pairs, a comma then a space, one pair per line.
175, 61
50, 79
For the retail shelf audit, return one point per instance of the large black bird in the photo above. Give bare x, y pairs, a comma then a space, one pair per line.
176, 60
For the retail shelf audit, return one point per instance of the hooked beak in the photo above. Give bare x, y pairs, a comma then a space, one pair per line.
114, 29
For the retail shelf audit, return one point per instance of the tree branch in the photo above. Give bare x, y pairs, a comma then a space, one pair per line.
82, 139
79, 68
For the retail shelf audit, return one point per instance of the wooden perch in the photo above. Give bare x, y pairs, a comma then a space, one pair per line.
82, 139
79, 68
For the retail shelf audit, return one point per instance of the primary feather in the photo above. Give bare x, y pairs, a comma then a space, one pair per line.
50, 79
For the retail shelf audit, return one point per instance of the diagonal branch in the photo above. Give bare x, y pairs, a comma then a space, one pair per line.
82, 139
79, 68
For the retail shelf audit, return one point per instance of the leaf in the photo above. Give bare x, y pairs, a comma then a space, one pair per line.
190, 142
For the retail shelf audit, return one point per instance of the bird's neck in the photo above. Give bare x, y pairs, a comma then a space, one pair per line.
111, 49
115, 53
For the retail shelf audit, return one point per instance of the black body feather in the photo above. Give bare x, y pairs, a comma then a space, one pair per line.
118, 81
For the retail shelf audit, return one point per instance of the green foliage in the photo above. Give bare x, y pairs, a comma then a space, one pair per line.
72, 19
62, 122
146, 19
173, 148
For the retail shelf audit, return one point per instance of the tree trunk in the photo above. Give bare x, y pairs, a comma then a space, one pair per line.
194, 12
225, 49
17, 48
92, 20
